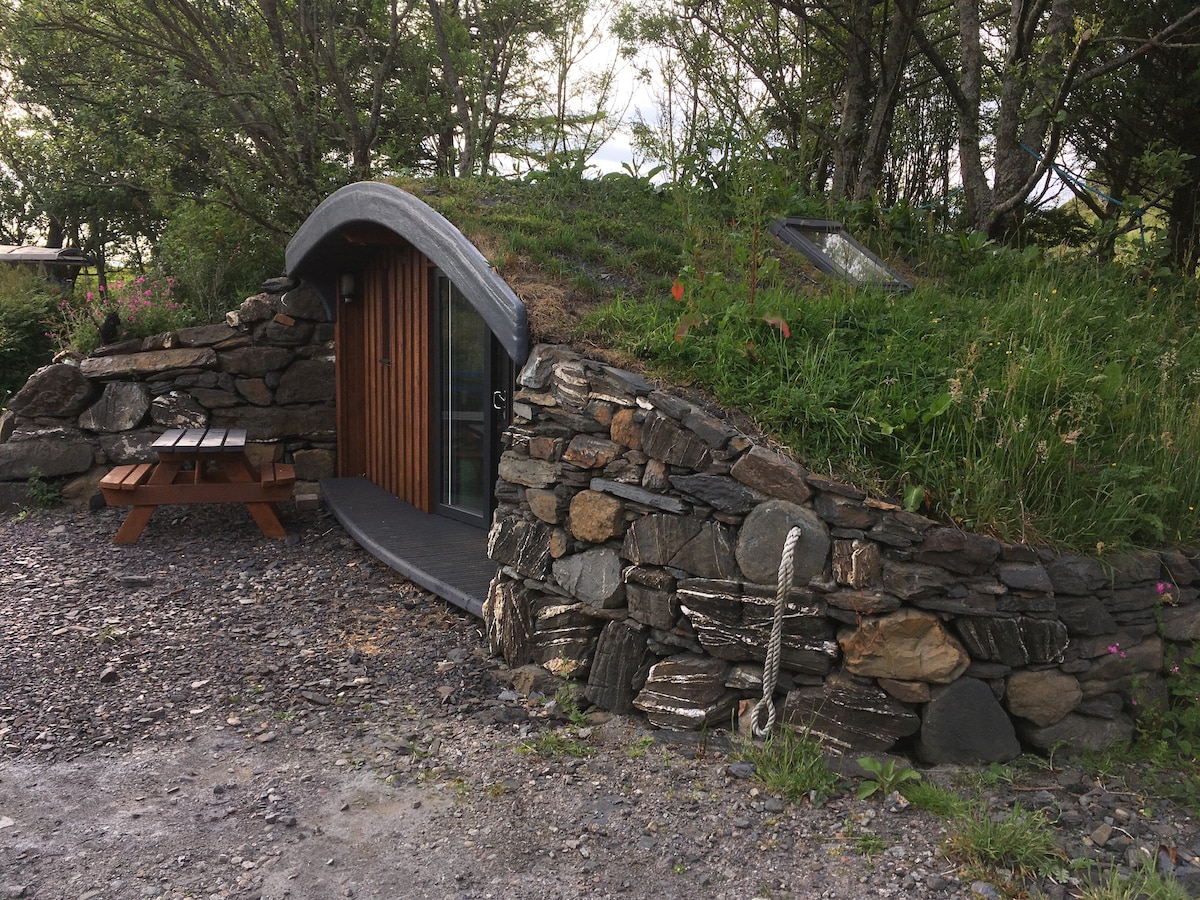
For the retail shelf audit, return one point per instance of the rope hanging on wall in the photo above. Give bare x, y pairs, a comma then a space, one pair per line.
771, 669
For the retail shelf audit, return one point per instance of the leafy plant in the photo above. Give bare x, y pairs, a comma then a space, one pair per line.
26, 309
888, 777
139, 307
44, 493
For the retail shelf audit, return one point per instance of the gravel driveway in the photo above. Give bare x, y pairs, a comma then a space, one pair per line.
208, 713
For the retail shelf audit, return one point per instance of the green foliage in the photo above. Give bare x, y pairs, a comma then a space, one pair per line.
26, 307
888, 777
1036, 399
1020, 841
1143, 883
556, 744
866, 843
216, 258
790, 764
144, 306
45, 494
934, 799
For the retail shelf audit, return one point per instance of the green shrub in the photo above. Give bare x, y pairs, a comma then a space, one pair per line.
27, 306
217, 258
144, 305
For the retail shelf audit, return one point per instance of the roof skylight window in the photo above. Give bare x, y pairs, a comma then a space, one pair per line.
833, 251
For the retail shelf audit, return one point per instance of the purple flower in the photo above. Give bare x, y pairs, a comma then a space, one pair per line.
1163, 587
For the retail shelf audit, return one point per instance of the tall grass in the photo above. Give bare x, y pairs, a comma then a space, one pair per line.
1031, 396
1032, 399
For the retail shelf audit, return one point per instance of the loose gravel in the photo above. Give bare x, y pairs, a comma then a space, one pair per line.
211, 714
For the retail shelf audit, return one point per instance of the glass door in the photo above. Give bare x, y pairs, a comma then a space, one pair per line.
465, 402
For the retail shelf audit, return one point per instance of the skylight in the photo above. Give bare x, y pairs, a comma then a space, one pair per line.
833, 251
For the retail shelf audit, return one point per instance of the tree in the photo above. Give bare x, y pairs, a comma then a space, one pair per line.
485, 55
268, 104
1041, 56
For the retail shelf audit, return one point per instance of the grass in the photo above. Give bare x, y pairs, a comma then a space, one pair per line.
556, 744
1039, 403
1038, 397
790, 765
1143, 883
1021, 841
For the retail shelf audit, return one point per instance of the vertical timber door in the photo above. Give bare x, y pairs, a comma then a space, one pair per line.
384, 377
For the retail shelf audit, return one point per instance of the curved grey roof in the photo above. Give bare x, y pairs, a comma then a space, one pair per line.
319, 253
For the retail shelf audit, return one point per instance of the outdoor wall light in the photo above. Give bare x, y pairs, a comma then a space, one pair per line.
346, 286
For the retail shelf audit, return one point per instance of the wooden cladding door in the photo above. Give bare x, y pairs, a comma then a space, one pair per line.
385, 371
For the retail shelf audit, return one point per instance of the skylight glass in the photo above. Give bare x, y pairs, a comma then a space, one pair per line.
833, 251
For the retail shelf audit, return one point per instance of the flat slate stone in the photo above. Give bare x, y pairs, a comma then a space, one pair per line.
848, 715
150, 363
619, 668
686, 693
1015, 642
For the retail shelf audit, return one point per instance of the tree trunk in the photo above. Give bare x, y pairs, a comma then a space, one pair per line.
883, 113
856, 100
977, 195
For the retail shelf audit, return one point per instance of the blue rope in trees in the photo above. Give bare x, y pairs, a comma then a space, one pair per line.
1080, 182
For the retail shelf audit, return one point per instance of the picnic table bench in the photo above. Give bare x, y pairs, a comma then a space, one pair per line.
198, 465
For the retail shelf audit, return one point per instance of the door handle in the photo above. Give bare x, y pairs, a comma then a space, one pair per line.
499, 401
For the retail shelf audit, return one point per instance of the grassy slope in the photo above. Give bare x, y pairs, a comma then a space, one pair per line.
1035, 399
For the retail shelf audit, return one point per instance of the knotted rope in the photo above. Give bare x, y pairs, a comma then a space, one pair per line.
775, 647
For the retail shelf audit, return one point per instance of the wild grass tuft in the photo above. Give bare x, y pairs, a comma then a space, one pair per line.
1143, 883
790, 764
1020, 841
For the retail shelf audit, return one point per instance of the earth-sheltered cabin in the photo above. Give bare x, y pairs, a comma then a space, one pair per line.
428, 338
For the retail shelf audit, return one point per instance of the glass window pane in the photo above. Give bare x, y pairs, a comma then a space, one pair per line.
463, 402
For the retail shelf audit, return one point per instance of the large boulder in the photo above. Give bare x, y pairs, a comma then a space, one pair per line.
59, 390
963, 723
760, 543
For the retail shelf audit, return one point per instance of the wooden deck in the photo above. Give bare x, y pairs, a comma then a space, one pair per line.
446, 557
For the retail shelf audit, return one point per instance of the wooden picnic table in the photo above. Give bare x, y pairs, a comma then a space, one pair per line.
198, 465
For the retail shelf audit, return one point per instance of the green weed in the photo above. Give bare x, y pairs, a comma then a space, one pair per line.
1144, 883
933, 799
44, 494
1021, 841
790, 764
888, 777
638, 748
555, 744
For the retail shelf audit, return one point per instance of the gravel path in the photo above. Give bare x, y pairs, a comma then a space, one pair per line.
210, 714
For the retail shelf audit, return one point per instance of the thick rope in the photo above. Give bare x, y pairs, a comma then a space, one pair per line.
775, 647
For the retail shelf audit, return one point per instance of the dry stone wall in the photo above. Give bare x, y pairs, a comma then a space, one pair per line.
639, 539
269, 368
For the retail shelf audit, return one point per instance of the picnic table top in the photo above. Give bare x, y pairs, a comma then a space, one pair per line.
200, 440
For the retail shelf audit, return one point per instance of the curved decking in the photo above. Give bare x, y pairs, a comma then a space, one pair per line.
446, 557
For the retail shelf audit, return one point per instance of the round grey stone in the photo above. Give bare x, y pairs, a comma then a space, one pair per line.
760, 543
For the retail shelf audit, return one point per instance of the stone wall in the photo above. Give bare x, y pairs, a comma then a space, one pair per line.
639, 539
269, 369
